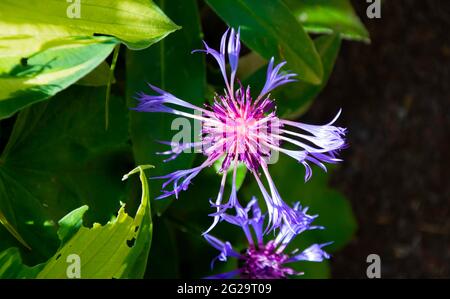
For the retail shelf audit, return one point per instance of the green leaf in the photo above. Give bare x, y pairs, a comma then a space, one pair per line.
71, 223
312, 270
118, 249
327, 16
108, 86
137, 23
46, 73
12, 267
241, 173
165, 251
44, 50
170, 66
12, 230
189, 218
269, 28
334, 210
97, 77
58, 158
294, 99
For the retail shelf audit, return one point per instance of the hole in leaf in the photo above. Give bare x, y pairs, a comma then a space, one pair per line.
136, 229
130, 243
58, 256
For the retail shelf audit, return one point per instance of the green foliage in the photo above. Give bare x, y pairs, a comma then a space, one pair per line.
59, 157
44, 51
138, 23
170, 66
241, 173
267, 27
24, 81
118, 249
327, 16
61, 169
295, 99
11, 265
334, 210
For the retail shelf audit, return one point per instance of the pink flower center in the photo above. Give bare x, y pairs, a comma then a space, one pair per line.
242, 129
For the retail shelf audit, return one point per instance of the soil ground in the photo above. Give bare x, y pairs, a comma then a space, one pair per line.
395, 99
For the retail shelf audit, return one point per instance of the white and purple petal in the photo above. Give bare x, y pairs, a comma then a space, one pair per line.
274, 78
314, 253
181, 179
225, 248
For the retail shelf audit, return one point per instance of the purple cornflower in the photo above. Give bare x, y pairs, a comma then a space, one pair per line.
240, 129
266, 260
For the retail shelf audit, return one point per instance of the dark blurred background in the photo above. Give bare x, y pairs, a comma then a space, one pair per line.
395, 99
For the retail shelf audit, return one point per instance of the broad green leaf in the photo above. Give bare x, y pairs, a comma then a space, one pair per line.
12, 230
97, 77
46, 73
59, 157
269, 28
294, 99
170, 66
312, 270
118, 249
165, 252
335, 214
137, 23
45, 48
70, 224
327, 16
12, 267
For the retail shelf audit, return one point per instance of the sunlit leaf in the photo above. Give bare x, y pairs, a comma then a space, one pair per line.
46, 73
138, 23
327, 16
118, 249
12, 230
12, 267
